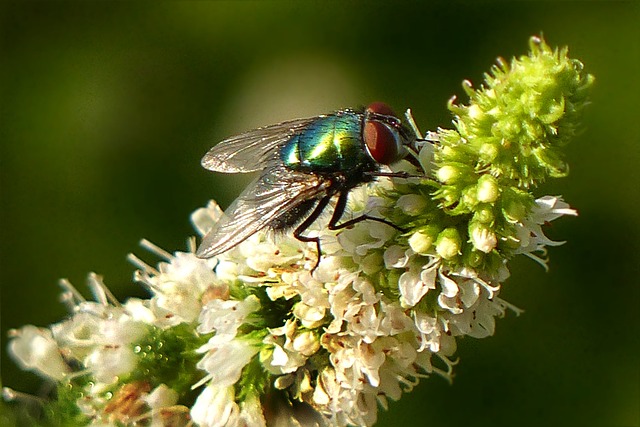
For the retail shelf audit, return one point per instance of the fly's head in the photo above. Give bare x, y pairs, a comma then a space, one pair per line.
385, 137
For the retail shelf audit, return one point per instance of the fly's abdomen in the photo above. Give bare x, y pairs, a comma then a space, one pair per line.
294, 216
329, 144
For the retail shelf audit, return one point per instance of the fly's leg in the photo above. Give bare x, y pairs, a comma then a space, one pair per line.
297, 233
394, 174
405, 175
338, 211
341, 205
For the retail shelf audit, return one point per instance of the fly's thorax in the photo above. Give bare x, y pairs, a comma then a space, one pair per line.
331, 144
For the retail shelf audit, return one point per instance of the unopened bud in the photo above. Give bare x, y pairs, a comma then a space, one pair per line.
448, 243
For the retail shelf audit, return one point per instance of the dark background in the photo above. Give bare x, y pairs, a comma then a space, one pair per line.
107, 107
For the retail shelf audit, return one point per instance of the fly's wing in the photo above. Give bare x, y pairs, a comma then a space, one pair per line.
253, 150
274, 193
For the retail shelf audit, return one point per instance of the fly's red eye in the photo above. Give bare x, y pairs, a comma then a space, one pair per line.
381, 142
381, 108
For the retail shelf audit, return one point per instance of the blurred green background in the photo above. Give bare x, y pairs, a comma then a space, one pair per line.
107, 107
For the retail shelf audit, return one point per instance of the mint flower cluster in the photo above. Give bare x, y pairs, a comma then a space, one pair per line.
257, 337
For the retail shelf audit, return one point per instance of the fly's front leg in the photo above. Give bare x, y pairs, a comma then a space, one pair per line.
405, 175
339, 210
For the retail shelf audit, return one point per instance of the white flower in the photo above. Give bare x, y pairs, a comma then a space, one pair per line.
160, 397
107, 362
216, 407
477, 320
529, 232
251, 414
460, 296
164, 410
549, 208
310, 316
359, 240
449, 286
178, 286
203, 219
417, 281
483, 239
224, 360
35, 349
261, 254
428, 331
225, 317
101, 337
284, 358
140, 311
396, 257
395, 320
306, 342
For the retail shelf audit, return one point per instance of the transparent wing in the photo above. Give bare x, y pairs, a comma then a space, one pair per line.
253, 150
274, 193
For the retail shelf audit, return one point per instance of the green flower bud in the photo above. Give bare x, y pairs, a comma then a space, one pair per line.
484, 214
488, 152
469, 197
487, 190
473, 258
513, 212
552, 160
448, 174
448, 243
422, 240
515, 204
453, 153
449, 195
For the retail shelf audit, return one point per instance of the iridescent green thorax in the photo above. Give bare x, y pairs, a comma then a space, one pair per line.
329, 144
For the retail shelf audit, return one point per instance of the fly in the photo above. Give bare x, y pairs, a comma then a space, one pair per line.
303, 165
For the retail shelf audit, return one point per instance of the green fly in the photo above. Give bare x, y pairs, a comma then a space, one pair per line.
303, 165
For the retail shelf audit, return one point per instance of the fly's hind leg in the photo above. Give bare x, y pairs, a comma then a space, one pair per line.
297, 233
340, 207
